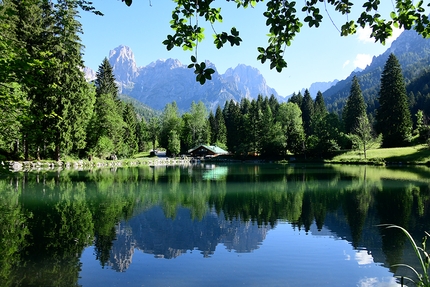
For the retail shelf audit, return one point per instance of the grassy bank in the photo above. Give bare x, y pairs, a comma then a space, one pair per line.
417, 155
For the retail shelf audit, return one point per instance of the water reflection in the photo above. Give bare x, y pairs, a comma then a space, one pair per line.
49, 219
152, 233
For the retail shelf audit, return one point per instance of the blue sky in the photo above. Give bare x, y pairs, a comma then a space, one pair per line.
316, 55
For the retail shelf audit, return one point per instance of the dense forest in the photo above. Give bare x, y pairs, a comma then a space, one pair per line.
49, 110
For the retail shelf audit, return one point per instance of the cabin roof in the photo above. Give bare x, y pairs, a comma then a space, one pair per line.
214, 149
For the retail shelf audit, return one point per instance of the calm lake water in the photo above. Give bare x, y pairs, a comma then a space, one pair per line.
211, 225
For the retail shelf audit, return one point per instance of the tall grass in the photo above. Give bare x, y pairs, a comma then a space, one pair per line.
423, 257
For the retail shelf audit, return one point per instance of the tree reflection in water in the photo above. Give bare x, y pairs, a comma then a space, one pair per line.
49, 218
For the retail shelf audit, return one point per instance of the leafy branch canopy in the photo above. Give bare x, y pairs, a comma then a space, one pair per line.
284, 20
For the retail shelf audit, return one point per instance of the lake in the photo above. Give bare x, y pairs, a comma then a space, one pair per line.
212, 225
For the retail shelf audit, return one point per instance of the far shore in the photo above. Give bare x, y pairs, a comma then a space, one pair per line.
413, 155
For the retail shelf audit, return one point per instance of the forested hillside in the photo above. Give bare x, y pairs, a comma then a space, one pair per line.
413, 53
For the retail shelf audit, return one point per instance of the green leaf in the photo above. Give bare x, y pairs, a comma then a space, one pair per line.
193, 59
210, 71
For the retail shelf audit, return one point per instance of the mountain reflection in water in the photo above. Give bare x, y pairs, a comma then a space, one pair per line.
153, 233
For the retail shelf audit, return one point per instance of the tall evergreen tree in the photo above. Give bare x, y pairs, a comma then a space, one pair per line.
296, 99
105, 80
307, 108
107, 123
14, 102
274, 105
320, 108
355, 107
131, 129
212, 126
218, 128
393, 115
255, 118
232, 118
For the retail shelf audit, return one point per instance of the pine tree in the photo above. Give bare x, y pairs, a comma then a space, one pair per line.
218, 128
131, 129
108, 117
307, 108
221, 136
232, 115
212, 126
105, 80
14, 102
296, 99
255, 118
29, 28
393, 115
355, 107
320, 109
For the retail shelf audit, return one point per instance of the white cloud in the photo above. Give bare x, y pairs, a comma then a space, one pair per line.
375, 282
346, 63
363, 258
364, 35
362, 60
396, 33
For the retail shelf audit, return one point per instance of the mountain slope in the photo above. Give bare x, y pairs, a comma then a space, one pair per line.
413, 53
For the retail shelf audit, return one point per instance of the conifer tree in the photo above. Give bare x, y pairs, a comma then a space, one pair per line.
320, 108
255, 118
108, 117
393, 115
105, 80
232, 115
212, 126
355, 107
218, 128
296, 98
307, 108
131, 129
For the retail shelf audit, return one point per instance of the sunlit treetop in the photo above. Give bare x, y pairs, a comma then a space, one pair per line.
284, 20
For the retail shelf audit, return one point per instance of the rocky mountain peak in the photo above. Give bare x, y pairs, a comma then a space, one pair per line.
90, 74
249, 81
124, 65
168, 80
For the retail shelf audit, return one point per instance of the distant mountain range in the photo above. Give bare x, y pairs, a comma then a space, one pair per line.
165, 81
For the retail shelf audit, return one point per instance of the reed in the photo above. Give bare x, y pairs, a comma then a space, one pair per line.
423, 257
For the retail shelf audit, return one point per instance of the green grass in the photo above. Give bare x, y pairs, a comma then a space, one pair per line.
419, 154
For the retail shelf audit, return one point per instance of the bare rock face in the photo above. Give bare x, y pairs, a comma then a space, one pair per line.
124, 66
90, 74
165, 81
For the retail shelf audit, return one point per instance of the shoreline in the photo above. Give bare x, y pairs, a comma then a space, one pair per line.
30, 166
